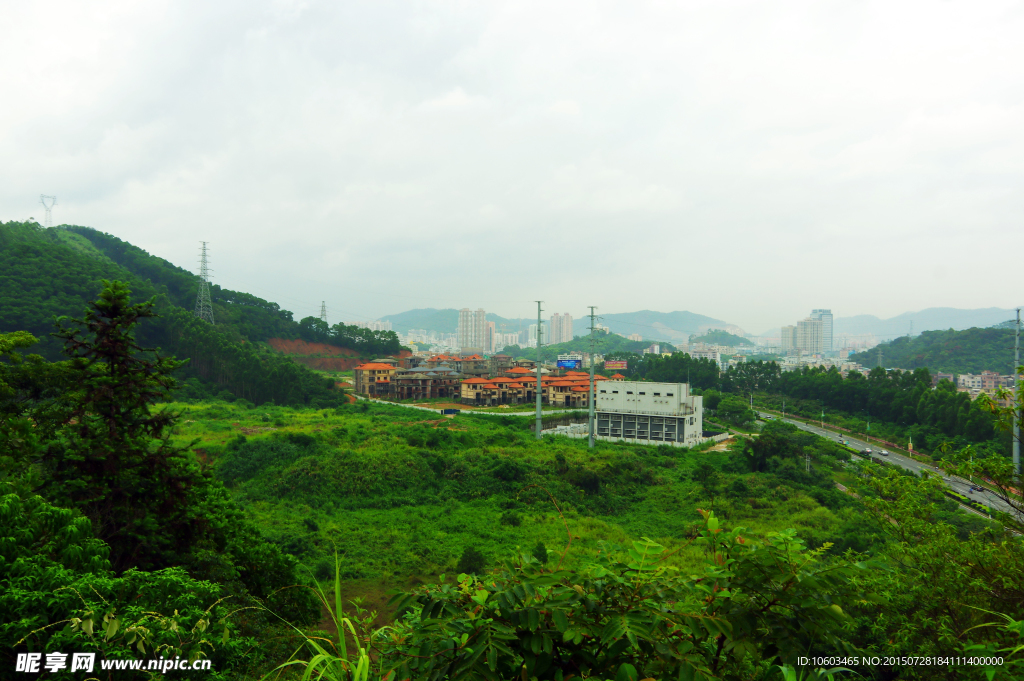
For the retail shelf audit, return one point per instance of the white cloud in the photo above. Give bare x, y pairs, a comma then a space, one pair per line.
744, 160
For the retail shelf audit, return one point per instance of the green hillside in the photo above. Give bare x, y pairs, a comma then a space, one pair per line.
720, 337
51, 273
604, 344
959, 352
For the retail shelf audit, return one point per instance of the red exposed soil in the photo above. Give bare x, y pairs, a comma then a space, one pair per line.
301, 347
329, 363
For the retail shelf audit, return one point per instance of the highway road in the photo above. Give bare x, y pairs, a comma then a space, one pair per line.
956, 484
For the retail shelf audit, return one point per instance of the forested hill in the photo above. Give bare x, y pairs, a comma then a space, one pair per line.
54, 272
959, 352
719, 337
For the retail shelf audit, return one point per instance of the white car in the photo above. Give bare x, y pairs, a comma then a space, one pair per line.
884, 453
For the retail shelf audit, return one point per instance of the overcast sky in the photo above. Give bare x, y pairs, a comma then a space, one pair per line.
743, 160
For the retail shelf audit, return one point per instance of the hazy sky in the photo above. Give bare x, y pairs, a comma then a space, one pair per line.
743, 160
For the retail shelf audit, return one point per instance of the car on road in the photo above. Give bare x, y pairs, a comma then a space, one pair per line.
866, 452
884, 453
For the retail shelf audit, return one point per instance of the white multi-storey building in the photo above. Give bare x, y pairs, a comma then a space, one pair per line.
808, 335
472, 327
649, 412
375, 325
825, 317
532, 335
561, 328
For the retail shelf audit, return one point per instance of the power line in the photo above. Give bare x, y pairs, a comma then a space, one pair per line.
204, 307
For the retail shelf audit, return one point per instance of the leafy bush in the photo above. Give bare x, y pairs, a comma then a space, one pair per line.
511, 518
610, 620
472, 561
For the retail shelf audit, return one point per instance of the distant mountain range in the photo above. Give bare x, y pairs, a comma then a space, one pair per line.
931, 319
666, 326
676, 327
446, 321
670, 326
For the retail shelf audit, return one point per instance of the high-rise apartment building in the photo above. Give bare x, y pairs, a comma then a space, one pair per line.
561, 328
826, 328
531, 341
471, 328
787, 340
490, 337
808, 335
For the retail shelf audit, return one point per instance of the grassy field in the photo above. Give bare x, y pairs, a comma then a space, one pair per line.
400, 495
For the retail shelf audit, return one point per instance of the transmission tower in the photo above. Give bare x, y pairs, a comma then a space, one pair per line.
48, 203
323, 310
204, 308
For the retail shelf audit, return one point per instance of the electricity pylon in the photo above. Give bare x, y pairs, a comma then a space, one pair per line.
323, 310
204, 308
48, 203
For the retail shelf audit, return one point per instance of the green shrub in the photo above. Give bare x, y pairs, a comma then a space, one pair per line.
540, 552
472, 561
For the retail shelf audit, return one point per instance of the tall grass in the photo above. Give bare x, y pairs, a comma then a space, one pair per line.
330, 657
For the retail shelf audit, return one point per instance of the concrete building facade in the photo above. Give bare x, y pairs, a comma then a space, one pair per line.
808, 335
652, 412
561, 329
825, 317
471, 329
787, 340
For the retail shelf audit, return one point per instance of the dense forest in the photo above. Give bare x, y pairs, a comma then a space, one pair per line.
106, 518
958, 352
46, 274
720, 337
901, 403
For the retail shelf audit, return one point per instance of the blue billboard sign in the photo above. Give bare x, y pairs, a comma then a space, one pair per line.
570, 363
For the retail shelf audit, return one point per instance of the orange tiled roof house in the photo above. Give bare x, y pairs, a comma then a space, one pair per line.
519, 386
373, 379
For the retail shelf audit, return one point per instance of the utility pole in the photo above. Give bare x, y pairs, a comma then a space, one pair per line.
540, 333
590, 419
204, 308
1016, 405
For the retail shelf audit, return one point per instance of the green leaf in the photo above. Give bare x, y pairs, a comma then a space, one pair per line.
560, 620
627, 672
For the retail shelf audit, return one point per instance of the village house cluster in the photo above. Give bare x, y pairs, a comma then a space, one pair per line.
473, 380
